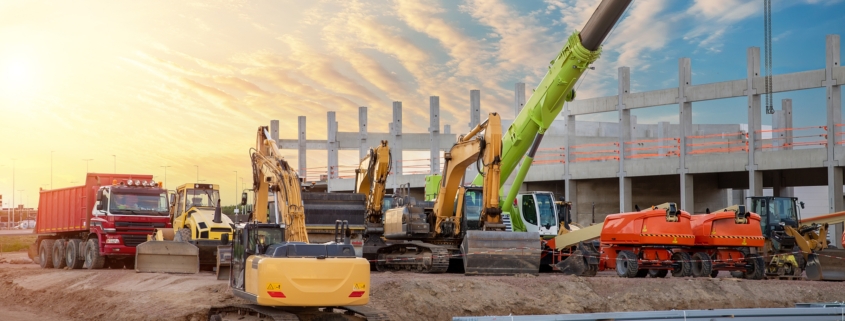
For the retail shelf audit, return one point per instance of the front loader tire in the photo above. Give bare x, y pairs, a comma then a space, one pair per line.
627, 264
684, 268
758, 267
184, 235
702, 266
93, 259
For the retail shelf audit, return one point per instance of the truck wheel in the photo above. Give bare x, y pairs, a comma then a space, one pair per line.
72, 258
59, 254
93, 259
702, 266
627, 264
45, 254
184, 235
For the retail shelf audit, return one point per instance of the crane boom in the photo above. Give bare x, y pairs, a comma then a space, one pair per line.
524, 135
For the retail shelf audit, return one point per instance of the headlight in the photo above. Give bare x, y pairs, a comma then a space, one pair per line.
109, 230
112, 241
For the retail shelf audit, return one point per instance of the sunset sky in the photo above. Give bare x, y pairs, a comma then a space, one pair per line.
179, 84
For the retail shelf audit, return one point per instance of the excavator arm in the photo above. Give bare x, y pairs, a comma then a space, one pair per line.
523, 137
465, 152
371, 178
273, 176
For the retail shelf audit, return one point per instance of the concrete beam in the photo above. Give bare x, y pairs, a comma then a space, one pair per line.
434, 132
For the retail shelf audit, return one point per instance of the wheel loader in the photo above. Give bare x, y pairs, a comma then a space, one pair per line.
792, 248
197, 221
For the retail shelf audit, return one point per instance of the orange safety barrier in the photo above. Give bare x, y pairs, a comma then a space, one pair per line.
808, 139
709, 146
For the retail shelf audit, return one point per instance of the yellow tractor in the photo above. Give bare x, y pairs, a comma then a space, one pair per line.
197, 220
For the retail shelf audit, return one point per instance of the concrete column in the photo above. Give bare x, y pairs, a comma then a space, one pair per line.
570, 185
474, 108
447, 129
570, 192
332, 146
625, 134
434, 130
685, 130
786, 107
778, 134
834, 117
518, 98
274, 130
396, 145
663, 133
302, 156
362, 132
755, 179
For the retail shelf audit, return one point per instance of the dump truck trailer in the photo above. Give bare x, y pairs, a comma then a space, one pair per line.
98, 224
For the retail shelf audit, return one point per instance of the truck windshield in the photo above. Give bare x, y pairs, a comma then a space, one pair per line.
144, 202
546, 209
201, 198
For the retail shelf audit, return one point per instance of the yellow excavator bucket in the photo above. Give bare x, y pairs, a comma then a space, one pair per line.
826, 265
501, 253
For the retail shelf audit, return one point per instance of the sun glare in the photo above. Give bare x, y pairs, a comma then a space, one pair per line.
17, 76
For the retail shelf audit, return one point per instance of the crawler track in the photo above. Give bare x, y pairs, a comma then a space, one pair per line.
418, 257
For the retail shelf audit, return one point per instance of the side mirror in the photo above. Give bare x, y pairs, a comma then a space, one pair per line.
224, 239
172, 199
802, 204
243, 198
99, 205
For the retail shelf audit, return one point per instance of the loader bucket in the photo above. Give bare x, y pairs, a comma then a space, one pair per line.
583, 261
826, 265
224, 261
167, 257
501, 253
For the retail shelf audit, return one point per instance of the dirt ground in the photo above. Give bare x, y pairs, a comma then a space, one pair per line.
30, 293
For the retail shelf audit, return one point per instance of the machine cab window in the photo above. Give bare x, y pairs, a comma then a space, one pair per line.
546, 209
472, 204
529, 210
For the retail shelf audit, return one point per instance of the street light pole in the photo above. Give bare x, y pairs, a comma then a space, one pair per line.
86, 164
165, 175
198, 172
236, 188
12, 212
21, 191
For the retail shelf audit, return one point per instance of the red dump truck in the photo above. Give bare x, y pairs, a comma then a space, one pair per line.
98, 224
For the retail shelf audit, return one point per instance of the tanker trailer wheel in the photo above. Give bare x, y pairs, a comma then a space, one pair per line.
73, 259
59, 254
758, 267
627, 264
684, 266
702, 266
45, 254
93, 259
658, 273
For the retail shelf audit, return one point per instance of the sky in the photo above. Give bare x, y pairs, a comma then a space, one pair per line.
134, 86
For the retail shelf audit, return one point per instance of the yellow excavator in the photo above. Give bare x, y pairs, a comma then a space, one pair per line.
275, 268
370, 180
426, 238
196, 238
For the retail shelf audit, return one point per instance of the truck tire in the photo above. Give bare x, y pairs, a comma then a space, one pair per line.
702, 266
45, 254
627, 264
184, 235
684, 268
93, 259
758, 267
59, 254
73, 259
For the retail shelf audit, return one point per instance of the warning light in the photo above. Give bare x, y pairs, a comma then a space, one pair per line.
356, 294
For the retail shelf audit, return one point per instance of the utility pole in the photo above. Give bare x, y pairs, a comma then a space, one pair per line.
236, 187
165, 175
86, 165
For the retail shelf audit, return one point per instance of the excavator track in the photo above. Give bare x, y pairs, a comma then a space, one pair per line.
414, 256
246, 312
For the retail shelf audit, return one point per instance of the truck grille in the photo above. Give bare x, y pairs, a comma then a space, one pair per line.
133, 240
139, 224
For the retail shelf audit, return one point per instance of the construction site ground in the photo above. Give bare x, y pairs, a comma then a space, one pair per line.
28, 292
